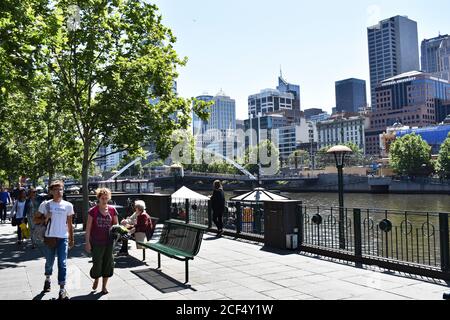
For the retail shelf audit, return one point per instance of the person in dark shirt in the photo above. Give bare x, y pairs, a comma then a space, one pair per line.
218, 206
5, 199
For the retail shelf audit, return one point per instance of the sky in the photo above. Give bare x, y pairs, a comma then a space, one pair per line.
239, 46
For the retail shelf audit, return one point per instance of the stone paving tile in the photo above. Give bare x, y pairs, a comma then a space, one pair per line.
224, 269
291, 283
261, 285
280, 293
417, 293
276, 276
332, 295
379, 296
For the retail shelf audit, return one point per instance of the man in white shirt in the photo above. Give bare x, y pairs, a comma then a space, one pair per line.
58, 218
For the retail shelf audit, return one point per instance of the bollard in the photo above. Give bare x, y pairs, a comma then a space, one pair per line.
238, 218
357, 235
444, 242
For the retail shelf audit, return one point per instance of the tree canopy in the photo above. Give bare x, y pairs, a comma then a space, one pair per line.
411, 155
108, 65
443, 161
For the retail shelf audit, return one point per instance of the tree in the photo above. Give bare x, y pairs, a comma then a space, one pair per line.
443, 161
37, 139
266, 154
298, 159
323, 159
112, 66
411, 155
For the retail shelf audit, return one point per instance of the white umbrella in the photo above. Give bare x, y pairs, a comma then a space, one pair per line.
185, 193
257, 195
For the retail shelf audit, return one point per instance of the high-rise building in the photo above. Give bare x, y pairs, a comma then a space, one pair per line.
284, 86
393, 50
436, 56
262, 128
308, 113
413, 99
285, 97
350, 95
290, 138
341, 129
218, 132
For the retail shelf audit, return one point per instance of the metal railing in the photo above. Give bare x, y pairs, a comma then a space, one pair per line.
246, 221
410, 241
398, 239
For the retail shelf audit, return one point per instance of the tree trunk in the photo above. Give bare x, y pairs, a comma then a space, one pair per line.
85, 184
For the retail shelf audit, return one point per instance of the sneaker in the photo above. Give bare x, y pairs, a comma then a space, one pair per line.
47, 286
63, 295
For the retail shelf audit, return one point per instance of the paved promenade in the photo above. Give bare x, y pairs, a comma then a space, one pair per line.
224, 269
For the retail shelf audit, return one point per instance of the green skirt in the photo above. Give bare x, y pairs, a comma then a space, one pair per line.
102, 261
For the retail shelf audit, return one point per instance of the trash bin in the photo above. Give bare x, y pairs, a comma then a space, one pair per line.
281, 224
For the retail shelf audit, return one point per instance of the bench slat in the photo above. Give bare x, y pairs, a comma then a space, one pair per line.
167, 250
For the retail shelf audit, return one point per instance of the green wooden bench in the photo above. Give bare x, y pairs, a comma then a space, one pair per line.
179, 241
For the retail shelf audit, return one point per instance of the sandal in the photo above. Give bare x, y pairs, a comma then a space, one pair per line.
104, 291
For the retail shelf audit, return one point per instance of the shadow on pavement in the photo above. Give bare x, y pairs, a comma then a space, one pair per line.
39, 296
91, 296
161, 281
126, 262
280, 252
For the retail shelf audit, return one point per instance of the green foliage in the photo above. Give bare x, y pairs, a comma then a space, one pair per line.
323, 159
265, 153
299, 159
411, 155
113, 76
443, 161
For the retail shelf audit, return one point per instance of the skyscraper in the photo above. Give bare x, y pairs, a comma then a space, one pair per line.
285, 97
218, 132
393, 50
436, 56
350, 95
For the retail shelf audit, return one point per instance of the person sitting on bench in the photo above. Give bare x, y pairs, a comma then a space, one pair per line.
140, 224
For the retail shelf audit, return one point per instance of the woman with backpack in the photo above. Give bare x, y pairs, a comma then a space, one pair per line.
99, 240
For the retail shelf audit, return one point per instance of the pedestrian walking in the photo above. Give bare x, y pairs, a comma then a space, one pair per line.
5, 199
18, 213
31, 207
218, 206
99, 240
58, 236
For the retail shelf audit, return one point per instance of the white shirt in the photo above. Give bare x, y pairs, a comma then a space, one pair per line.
60, 211
18, 208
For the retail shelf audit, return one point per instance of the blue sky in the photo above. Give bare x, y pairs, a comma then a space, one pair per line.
239, 45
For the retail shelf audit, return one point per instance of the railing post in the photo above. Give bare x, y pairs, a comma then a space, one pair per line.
300, 225
357, 235
187, 211
444, 239
238, 218
209, 214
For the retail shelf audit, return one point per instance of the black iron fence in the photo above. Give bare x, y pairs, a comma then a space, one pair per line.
402, 240
243, 220
410, 241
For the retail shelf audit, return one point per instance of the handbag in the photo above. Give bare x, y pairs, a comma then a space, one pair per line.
50, 242
39, 232
13, 221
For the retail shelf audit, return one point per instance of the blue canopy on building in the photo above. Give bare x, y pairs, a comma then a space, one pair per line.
434, 136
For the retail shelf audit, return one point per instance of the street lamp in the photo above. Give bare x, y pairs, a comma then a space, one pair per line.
339, 156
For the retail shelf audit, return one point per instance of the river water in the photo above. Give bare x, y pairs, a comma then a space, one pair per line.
402, 202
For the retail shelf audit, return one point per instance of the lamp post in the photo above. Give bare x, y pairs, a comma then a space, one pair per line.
339, 156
